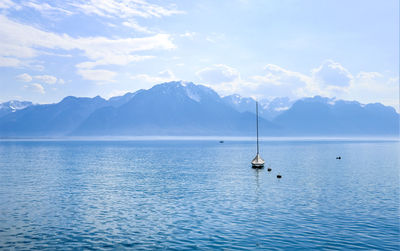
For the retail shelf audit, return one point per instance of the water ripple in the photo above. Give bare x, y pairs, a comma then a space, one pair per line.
198, 195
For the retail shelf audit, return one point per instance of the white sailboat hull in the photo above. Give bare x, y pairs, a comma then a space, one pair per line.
257, 162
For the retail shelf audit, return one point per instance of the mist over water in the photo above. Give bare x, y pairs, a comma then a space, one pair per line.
185, 194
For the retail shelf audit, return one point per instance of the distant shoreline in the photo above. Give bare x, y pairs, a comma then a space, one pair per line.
203, 138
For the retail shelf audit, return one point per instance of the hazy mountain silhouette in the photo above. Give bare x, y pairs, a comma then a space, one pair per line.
13, 106
120, 100
175, 108
181, 108
51, 119
324, 116
267, 109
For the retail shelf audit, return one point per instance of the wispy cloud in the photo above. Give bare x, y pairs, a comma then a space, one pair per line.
137, 27
25, 77
10, 62
331, 73
113, 59
100, 75
279, 82
216, 37
20, 41
46, 8
330, 79
188, 34
218, 73
47, 79
161, 77
124, 8
125, 12
5, 4
35, 87
119, 9
223, 78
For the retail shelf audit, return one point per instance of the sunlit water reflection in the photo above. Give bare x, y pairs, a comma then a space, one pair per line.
199, 194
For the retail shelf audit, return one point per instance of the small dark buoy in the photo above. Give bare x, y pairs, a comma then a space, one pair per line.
338, 157
269, 169
221, 141
279, 176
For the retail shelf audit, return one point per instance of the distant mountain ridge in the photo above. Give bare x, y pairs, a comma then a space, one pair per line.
183, 108
268, 109
324, 116
13, 106
175, 108
51, 119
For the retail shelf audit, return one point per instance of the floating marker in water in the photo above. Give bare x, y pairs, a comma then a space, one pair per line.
269, 169
279, 176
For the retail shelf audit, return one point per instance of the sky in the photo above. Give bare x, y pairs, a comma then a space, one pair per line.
347, 49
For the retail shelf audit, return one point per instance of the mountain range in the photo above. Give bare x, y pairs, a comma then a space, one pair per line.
12, 106
183, 108
268, 109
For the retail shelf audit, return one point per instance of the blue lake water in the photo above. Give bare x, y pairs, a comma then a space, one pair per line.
199, 195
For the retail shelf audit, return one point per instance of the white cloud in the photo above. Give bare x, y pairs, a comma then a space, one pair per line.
135, 26
279, 82
366, 76
17, 40
188, 35
224, 79
113, 60
35, 87
20, 41
125, 8
216, 37
5, 4
125, 11
330, 79
166, 74
25, 77
9, 62
371, 87
331, 73
279, 76
100, 76
161, 77
46, 79
217, 74
45, 8
103, 8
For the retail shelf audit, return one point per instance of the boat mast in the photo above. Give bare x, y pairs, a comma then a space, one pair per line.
257, 124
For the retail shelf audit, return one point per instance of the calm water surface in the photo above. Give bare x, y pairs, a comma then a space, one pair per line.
199, 195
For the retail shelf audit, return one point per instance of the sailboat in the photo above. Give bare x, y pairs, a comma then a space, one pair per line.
257, 162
